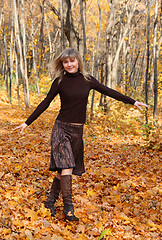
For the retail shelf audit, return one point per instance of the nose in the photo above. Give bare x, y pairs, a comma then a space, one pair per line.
69, 63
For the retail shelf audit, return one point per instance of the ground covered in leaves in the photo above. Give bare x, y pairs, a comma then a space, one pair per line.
119, 196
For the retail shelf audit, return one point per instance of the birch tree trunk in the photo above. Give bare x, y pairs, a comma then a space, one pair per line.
109, 34
82, 13
33, 49
49, 36
41, 37
62, 25
5, 63
148, 58
120, 43
17, 79
96, 58
11, 59
20, 49
155, 63
23, 30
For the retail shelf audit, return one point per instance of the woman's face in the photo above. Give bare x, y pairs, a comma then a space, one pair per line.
70, 65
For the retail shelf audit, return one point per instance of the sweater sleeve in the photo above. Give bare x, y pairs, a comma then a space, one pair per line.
45, 103
96, 85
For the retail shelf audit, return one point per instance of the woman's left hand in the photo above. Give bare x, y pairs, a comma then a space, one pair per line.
138, 104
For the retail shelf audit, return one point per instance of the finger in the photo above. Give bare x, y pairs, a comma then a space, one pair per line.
138, 107
22, 130
146, 105
143, 104
16, 128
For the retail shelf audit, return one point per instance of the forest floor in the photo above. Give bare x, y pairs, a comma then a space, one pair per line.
119, 196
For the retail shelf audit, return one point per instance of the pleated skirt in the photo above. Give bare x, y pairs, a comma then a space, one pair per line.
67, 147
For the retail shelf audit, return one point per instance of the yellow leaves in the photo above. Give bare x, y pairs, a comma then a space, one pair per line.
50, 179
90, 193
127, 220
116, 187
123, 217
2, 174
18, 167
150, 223
153, 226
31, 214
28, 234
118, 196
43, 211
127, 171
81, 228
6, 231
56, 237
81, 237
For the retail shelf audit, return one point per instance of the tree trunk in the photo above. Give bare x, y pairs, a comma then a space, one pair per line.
20, 49
82, 13
17, 79
148, 58
23, 30
155, 63
96, 58
11, 59
71, 34
138, 73
33, 50
109, 34
5, 63
49, 37
62, 25
41, 37
120, 43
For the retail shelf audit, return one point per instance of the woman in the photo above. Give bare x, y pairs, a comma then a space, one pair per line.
73, 84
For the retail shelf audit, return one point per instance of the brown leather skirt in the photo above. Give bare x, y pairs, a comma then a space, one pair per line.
67, 147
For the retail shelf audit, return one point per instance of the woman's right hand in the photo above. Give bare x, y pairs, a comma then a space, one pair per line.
22, 127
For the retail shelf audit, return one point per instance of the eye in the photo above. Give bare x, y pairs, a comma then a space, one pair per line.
72, 59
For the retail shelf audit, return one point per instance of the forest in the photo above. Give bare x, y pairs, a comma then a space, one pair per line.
119, 196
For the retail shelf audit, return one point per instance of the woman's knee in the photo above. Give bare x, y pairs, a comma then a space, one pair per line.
67, 171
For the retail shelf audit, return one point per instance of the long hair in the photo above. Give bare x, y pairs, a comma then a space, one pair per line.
57, 66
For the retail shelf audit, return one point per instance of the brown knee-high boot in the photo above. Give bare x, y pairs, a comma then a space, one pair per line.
53, 196
66, 188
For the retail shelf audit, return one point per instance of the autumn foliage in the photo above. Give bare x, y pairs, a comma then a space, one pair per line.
118, 197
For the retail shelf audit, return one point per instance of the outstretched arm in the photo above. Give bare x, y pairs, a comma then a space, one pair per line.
115, 94
138, 104
41, 107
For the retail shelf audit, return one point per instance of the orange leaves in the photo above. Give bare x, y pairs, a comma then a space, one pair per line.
31, 214
118, 197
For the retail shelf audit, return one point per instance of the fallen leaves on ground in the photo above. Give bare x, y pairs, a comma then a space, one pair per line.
119, 196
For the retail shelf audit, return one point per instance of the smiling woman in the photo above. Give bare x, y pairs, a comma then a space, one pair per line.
73, 84
70, 65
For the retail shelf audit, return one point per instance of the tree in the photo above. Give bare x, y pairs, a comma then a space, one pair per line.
155, 62
82, 13
147, 77
96, 57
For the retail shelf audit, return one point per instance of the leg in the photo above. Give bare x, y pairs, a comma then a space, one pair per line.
53, 195
66, 188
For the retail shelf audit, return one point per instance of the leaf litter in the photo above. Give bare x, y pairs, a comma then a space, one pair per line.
119, 196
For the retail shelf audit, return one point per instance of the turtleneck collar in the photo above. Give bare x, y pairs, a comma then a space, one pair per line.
72, 74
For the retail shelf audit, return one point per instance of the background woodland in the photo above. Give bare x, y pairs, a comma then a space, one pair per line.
118, 40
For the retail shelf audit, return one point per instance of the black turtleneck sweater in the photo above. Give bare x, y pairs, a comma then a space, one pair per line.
74, 90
